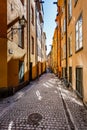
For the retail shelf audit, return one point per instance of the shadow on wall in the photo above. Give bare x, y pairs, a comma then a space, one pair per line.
14, 82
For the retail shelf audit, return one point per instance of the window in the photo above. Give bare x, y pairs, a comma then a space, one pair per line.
21, 71
12, 6
70, 45
21, 37
64, 25
64, 72
79, 81
78, 29
32, 45
32, 15
70, 10
64, 51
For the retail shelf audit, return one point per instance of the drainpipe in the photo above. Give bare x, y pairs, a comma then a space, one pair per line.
28, 32
60, 36
57, 50
66, 40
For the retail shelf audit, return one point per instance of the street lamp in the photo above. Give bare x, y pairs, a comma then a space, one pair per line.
22, 23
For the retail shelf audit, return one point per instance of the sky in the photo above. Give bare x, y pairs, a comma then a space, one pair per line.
50, 11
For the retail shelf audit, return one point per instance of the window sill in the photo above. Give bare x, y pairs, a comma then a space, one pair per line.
79, 50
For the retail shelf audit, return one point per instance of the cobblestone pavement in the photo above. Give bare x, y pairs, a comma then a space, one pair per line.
44, 104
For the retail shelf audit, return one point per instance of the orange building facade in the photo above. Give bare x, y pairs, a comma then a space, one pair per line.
18, 44
73, 44
13, 48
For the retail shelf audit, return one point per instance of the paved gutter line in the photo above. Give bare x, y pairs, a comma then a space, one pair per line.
68, 114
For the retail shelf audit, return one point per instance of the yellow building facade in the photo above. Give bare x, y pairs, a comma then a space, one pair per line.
55, 52
32, 39
77, 29
73, 44
19, 62
13, 50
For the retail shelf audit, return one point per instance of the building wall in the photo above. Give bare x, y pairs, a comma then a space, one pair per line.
10, 52
33, 58
3, 21
43, 52
78, 58
3, 63
59, 38
55, 51
15, 10
63, 40
39, 26
3, 45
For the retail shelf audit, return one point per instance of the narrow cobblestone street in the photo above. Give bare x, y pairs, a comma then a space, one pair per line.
44, 104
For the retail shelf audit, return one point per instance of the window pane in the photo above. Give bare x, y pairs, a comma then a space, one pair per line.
80, 21
32, 45
77, 26
80, 31
80, 42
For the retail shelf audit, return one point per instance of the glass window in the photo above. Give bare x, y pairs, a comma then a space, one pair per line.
32, 45
70, 45
64, 25
21, 71
21, 37
64, 51
70, 9
32, 15
79, 80
79, 33
70, 74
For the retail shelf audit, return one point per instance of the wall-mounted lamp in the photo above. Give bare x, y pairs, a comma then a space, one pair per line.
22, 23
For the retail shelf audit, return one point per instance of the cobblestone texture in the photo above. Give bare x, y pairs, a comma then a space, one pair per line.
45, 97
76, 109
